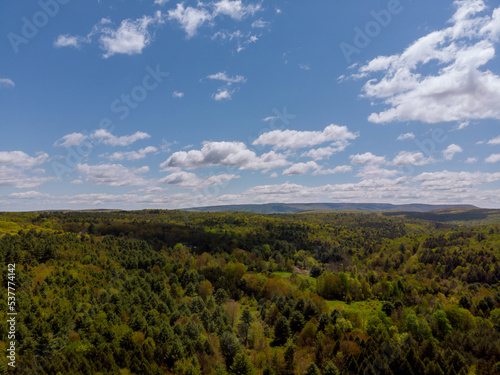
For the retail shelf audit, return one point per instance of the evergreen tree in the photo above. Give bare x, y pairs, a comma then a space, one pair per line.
312, 369
242, 365
281, 331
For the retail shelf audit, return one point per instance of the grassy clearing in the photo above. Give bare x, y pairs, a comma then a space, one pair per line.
312, 280
362, 308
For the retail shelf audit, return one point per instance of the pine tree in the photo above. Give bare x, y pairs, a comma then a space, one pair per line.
281, 331
331, 369
312, 369
242, 365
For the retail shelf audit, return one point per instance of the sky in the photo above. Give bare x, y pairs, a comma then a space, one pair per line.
164, 104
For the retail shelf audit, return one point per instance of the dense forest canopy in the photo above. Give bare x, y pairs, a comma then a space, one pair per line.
174, 292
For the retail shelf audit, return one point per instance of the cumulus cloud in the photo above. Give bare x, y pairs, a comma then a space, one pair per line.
225, 154
107, 138
112, 174
192, 18
191, 180
367, 158
311, 166
6, 82
70, 41
129, 38
493, 158
160, 2
21, 159
451, 150
177, 94
471, 160
411, 158
462, 89
446, 180
21, 178
132, 155
406, 136
294, 139
189, 18
235, 9
494, 141
223, 94
73, 139
371, 171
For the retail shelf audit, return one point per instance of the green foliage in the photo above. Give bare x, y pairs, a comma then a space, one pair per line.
143, 292
242, 365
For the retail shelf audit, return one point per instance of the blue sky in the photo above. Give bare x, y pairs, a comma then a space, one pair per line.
140, 104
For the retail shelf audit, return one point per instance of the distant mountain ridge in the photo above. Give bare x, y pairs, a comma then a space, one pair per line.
283, 208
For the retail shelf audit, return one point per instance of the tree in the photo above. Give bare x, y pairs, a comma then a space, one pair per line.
229, 347
244, 325
281, 331
442, 325
242, 365
232, 309
296, 321
312, 369
331, 369
289, 357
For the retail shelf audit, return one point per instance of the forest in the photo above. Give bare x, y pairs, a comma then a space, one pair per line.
188, 293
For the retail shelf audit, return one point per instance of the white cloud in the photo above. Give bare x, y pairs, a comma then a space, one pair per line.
494, 141
21, 159
132, 155
446, 180
19, 178
311, 166
305, 66
451, 150
403, 137
6, 82
190, 18
371, 171
223, 94
463, 125
301, 168
471, 160
160, 2
242, 39
191, 180
260, 24
367, 158
411, 158
226, 154
109, 139
29, 195
177, 94
493, 158
294, 139
235, 9
462, 89
73, 139
70, 41
222, 76
130, 38
112, 174
326, 152
269, 118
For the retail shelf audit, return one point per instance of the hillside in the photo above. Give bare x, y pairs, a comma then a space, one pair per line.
273, 208
159, 292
